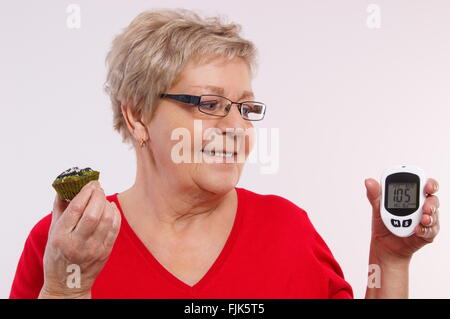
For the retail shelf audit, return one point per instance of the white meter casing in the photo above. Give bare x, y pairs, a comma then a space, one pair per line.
402, 198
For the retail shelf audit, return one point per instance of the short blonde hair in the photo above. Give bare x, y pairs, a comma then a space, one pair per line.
147, 57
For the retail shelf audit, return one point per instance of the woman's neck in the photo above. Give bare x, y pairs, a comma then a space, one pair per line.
175, 207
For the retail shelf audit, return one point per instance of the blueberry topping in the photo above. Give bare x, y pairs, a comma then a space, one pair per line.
74, 171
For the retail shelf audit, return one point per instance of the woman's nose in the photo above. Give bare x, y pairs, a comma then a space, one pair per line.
233, 119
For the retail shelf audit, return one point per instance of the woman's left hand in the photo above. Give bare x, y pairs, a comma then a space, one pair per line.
386, 243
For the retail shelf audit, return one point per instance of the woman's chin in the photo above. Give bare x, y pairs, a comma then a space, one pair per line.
218, 180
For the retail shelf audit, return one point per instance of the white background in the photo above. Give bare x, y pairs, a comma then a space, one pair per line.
348, 101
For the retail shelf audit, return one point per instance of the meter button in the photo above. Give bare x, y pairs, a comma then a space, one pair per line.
395, 222
407, 223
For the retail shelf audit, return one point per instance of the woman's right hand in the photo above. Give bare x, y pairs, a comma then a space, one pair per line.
82, 234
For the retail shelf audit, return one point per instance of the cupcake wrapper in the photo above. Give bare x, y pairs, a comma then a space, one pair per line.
67, 190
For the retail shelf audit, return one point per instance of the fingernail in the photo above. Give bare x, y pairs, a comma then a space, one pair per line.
433, 209
431, 221
92, 184
424, 230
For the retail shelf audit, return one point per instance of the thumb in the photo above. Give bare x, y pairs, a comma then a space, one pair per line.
373, 194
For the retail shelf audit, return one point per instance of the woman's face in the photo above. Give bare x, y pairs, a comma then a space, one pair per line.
214, 173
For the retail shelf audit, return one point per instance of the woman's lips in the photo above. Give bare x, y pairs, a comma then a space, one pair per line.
219, 153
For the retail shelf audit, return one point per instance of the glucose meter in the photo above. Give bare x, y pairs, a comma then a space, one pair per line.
402, 198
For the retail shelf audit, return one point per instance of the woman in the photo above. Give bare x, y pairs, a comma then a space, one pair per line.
184, 230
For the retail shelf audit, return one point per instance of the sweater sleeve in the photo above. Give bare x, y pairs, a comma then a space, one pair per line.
29, 276
313, 251
338, 287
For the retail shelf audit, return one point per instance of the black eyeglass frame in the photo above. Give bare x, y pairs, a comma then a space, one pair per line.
195, 100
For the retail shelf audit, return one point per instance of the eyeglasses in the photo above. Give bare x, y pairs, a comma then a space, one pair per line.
217, 105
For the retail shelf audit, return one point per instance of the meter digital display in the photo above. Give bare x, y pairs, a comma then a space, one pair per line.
402, 195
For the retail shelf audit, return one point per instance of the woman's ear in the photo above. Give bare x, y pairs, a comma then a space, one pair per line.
136, 128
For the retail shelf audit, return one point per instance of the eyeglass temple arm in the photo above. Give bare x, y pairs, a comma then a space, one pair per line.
190, 99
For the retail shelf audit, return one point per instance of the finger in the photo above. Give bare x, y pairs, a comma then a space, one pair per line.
431, 205
118, 221
427, 233
373, 193
59, 206
105, 225
106, 233
428, 220
77, 205
432, 186
112, 234
92, 214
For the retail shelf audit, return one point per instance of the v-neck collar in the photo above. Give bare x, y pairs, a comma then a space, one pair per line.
208, 276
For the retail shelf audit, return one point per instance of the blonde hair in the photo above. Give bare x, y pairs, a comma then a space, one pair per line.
147, 57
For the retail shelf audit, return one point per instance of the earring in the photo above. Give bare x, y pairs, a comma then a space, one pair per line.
143, 143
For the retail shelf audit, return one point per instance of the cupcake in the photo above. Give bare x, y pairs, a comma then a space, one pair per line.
69, 183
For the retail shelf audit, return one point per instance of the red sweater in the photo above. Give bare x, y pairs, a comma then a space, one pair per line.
273, 251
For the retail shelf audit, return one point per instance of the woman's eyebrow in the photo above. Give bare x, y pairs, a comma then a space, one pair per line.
220, 91
247, 95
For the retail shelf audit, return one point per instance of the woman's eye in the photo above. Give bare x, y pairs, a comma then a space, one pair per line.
209, 105
253, 108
